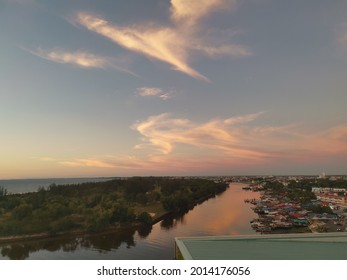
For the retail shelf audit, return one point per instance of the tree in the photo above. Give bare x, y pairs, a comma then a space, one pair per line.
320, 209
3, 191
144, 217
22, 211
122, 214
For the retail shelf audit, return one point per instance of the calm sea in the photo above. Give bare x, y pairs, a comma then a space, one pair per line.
32, 185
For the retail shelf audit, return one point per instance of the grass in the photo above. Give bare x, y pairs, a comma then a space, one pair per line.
154, 209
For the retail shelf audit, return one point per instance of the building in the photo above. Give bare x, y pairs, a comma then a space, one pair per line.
331, 195
332, 199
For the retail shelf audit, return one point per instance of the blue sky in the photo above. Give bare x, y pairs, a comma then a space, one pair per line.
217, 87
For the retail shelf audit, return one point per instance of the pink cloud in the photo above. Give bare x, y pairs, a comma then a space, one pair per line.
190, 12
170, 44
87, 163
179, 145
84, 59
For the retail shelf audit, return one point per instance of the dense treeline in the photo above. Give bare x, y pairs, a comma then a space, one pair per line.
327, 183
189, 193
97, 205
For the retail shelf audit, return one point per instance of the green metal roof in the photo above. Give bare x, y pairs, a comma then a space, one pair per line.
265, 247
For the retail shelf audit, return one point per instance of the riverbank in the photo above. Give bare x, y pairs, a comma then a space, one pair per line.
98, 206
278, 214
292, 209
225, 214
113, 228
76, 233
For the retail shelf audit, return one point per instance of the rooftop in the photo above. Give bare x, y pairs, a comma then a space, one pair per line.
323, 246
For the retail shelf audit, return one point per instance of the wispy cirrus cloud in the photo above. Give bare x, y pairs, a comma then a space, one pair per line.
171, 144
82, 59
154, 92
155, 42
163, 133
87, 163
79, 58
171, 44
190, 12
237, 137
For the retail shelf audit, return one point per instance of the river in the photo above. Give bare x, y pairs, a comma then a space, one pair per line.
226, 214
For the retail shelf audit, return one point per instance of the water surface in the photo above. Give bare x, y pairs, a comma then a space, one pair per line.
31, 185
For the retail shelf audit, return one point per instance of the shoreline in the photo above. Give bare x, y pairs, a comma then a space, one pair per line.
44, 235
80, 231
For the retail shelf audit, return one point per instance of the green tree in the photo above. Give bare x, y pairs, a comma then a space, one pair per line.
122, 214
321, 209
144, 217
22, 211
98, 220
3, 191
63, 224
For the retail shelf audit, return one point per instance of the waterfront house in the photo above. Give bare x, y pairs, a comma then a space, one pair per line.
300, 223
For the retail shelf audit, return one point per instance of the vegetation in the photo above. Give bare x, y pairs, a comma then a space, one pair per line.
299, 192
320, 209
3, 192
100, 205
327, 183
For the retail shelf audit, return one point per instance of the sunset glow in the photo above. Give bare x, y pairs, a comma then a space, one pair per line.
212, 87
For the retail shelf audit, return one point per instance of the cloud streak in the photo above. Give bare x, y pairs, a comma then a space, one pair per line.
87, 163
170, 44
79, 58
238, 137
82, 59
163, 133
154, 92
190, 12
179, 145
155, 42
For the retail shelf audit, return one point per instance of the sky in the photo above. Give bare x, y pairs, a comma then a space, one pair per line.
93, 88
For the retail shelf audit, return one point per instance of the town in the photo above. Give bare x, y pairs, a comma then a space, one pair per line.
298, 204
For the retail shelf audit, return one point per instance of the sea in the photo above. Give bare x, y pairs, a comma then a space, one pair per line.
14, 186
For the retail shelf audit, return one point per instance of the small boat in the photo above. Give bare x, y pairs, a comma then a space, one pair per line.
264, 229
257, 225
259, 211
280, 225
